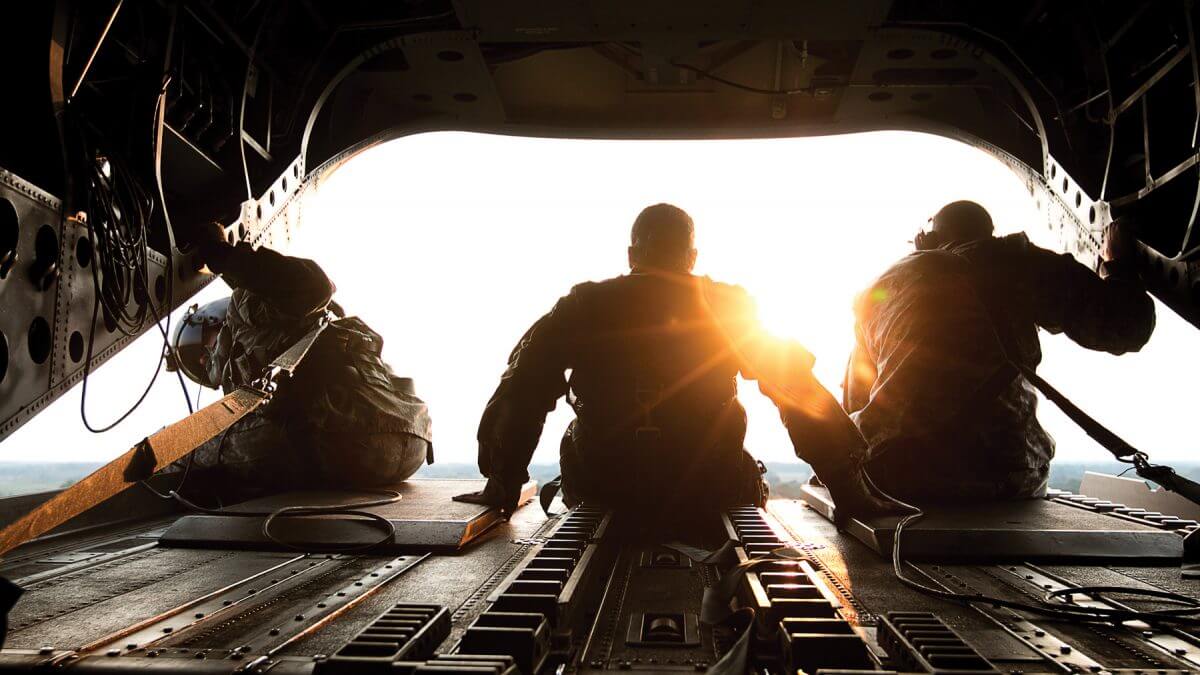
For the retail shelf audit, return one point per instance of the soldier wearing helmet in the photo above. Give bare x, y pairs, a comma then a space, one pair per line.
344, 419
931, 381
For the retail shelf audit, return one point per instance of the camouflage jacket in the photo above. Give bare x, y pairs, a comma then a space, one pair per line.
653, 360
934, 335
342, 385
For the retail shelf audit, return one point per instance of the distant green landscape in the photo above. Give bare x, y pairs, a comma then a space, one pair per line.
785, 478
18, 478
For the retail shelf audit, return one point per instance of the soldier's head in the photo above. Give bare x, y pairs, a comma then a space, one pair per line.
195, 339
956, 223
663, 239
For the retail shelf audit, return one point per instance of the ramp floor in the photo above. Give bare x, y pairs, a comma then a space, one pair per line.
1037, 529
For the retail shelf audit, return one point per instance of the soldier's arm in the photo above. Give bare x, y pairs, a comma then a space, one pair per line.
822, 434
295, 286
529, 389
1111, 312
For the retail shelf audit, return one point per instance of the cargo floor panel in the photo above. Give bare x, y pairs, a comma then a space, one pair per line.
283, 604
1115, 648
866, 576
459, 583
1041, 529
86, 605
425, 519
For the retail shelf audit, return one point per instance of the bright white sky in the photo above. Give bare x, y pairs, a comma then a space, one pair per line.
451, 244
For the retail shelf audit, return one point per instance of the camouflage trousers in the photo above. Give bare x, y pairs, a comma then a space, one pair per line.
919, 475
260, 455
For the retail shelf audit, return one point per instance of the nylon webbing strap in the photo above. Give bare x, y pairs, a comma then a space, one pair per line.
152, 454
1099, 433
548, 493
716, 605
290, 359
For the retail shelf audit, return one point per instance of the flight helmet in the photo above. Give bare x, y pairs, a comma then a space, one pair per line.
195, 337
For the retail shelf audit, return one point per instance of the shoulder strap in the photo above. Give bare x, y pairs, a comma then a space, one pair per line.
289, 360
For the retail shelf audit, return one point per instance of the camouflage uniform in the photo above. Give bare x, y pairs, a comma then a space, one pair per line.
653, 360
343, 419
930, 384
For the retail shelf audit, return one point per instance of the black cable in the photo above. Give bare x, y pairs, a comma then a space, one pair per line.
349, 509
191, 455
87, 368
187, 397
1072, 613
119, 212
187, 469
121, 250
117, 231
717, 78
738, 85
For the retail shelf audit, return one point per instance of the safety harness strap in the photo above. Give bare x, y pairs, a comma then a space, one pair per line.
1100, 433
139, 463
157, 451
289, 360
1123, 451
548, 492
1105, 437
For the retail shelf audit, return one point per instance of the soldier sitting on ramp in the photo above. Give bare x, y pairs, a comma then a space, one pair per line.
935, 380
653, 359
343, 420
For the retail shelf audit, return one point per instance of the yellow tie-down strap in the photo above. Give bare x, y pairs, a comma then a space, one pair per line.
156, 452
